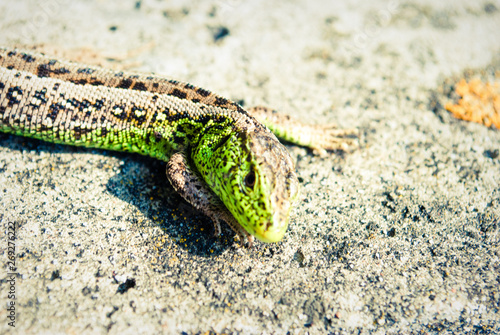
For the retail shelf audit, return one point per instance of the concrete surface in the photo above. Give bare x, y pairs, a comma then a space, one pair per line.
400, 236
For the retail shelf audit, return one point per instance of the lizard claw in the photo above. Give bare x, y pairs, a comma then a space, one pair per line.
329, 137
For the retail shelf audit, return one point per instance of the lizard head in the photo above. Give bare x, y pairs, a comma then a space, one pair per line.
254, 175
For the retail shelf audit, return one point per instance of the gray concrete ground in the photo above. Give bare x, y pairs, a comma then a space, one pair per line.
399, 236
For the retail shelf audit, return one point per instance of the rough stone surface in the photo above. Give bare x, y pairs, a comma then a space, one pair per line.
400, 236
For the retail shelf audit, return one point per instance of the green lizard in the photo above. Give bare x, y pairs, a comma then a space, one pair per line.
219, 157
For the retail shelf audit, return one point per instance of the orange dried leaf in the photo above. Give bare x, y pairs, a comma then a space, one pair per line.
480, 102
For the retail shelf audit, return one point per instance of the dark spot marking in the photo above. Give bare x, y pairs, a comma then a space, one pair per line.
173, 117
166, 111
155, 85
204, 119
220, 101
203, 92
490, 8
56, 107
178, 139
41, 96
99, 104
53, 115
195, 100
124, 287
44, 127
85, 70
222, 141
12, 53
28, 58
218, 119
61, 70
96, 83
73, 102
10, 67
139, 119
79, 81
122, 113
241, 110
13, 95
104, 130
179, 94
219, 33
180, 129
491, 153
125, 83
2, 86
44, 70
139, 86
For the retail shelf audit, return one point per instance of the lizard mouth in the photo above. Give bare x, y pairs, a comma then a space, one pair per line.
271, 236
275, 228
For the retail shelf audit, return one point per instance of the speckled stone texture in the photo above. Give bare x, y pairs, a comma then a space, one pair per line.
399, 236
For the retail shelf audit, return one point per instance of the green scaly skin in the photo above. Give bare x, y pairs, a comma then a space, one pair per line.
220, 158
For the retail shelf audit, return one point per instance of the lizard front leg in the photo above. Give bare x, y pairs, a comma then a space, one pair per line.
195, 191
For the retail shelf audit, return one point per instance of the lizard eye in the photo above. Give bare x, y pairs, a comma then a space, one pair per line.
250, 179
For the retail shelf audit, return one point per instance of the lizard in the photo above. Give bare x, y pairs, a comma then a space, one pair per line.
224, 160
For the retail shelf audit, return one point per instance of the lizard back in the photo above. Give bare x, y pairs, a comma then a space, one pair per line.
71, 103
